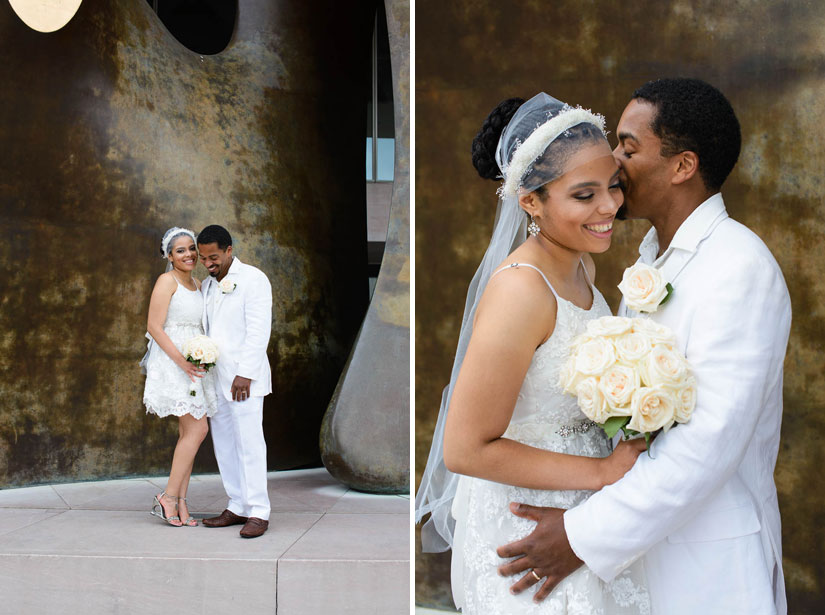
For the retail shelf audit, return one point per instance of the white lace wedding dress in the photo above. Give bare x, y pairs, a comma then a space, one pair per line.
546, 418
167, 390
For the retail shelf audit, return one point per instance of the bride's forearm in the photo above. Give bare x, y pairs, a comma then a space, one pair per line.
506, 461
166, 344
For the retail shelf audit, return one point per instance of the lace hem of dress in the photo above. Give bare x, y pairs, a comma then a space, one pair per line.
179, 408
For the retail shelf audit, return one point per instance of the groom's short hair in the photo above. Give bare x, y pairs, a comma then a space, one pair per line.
692, 115
215, 234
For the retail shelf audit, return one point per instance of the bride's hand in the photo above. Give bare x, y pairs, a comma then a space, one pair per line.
192, 370
621, 460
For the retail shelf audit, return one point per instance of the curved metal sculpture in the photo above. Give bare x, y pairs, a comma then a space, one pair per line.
365, 433
112, 132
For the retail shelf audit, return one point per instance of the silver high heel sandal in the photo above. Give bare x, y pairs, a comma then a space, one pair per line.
157, 510
190, 520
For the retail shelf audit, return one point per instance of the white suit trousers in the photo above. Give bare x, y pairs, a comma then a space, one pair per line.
240, 449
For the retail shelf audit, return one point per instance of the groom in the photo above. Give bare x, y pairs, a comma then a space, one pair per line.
702, 507
238, 317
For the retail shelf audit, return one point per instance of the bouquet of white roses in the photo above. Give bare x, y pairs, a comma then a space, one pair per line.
201, 351
627, 374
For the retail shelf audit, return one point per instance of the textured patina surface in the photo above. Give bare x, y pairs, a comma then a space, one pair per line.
768, 58
112, 131
365, 433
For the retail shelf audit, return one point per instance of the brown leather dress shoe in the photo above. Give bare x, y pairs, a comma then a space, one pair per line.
254, 527
226, 518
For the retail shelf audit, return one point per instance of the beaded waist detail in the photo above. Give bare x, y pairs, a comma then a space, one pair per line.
543, 431
182, 324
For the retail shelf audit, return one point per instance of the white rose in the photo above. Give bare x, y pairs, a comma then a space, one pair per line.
578, 342
643, 287
226, 286
197, 353
209, 356
592, 401
609, 325
663, 366
569, 377
594, 356
632, 347
652, 408
686, 396
618, 384
656, 333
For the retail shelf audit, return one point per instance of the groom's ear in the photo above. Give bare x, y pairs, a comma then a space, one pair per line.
686, 165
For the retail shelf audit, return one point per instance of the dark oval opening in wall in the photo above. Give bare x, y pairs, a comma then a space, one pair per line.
204, 26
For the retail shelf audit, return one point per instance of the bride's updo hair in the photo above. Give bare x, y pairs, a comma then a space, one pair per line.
486, 141
546, 166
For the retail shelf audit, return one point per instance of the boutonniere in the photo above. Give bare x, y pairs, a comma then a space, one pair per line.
644, 288
226, 286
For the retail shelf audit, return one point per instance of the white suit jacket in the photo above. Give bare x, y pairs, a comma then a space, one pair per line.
240, 324
702, 508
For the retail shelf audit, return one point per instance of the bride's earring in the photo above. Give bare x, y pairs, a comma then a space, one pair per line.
533, 228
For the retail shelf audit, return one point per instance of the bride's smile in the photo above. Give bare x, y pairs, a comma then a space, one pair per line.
600, 230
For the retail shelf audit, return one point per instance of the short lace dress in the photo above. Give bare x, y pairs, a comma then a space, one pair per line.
547, 418
167, 390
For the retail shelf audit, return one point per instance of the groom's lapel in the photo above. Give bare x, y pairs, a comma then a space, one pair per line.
219, 297
688, 238
233, 274
674, 265
680, 258
205, 292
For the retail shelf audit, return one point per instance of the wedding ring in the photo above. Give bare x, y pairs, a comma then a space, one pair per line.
535, 576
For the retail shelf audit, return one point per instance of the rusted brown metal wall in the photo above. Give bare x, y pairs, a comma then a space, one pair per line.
111, 132
768, 57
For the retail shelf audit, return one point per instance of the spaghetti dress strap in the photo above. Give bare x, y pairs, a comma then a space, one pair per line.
184, 287
543, 277
586, 275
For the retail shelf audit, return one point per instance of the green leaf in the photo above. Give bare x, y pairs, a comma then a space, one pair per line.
648, 437
612, 425
668, 295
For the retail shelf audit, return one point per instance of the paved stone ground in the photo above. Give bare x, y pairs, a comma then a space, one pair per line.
93, 548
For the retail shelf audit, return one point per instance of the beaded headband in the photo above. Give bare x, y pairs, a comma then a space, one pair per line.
534, 145
173, 232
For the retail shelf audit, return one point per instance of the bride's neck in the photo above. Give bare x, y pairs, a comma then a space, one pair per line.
181, 276
558, 259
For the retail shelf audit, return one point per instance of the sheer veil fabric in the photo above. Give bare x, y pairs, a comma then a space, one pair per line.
531, 152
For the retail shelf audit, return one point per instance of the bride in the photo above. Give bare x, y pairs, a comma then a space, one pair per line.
511, 435
175, 314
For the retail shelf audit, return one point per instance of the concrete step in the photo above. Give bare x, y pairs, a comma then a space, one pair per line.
93, 548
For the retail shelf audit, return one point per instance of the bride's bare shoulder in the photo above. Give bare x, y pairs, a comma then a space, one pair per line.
166, 281
519, 293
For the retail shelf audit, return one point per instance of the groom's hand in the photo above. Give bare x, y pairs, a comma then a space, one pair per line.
240, 388
546, 551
